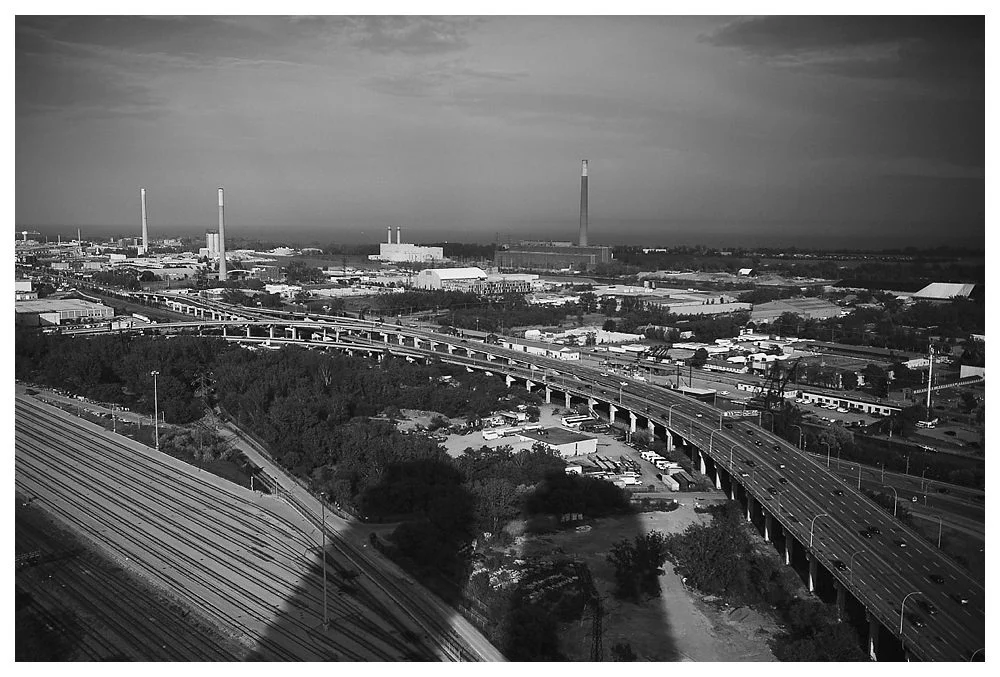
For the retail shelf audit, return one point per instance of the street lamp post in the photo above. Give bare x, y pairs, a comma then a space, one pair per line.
621, 385
731, 450
915, 592
940, 530
156, 410
895, 498
711, 435
799, 445
827, 445
812, 524
670, 413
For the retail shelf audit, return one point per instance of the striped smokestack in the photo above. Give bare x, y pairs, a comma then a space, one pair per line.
222, 238
583, 205
388, 234
145, 231
399, 235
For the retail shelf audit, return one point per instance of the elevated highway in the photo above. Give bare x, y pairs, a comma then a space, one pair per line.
813, 516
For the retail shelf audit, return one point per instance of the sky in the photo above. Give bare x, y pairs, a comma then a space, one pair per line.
771, 130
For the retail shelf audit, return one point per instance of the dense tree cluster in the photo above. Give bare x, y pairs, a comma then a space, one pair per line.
560, 493
638, 565
299, 272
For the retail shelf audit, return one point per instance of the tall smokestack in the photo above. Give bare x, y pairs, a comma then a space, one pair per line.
145, 231
583, 205
399, 235
388, 234
222, 238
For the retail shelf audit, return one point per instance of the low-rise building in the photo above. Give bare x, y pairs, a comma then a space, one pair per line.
566, 443
41, 312
853, 401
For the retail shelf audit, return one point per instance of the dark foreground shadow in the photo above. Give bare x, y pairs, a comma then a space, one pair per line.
544, 594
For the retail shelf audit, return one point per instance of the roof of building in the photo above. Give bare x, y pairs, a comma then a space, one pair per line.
456, 273
556, 436
944, 290
55, 305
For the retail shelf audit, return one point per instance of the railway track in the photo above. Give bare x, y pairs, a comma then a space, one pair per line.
102, 474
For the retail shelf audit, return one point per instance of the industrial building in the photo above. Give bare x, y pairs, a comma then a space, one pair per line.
565, 442
808, 308
474, 280
43, 312
212, 244
400, 252
944, 291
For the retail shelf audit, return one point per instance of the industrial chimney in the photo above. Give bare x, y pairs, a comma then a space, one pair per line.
388, 234
222, 239
145, 231
399, 235
583, 205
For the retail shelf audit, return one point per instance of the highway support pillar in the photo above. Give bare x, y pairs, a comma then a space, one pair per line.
324, 333
399, 339
841, 599
812, 572
612, 412
873, 629
789, 548
225, 334
295, 333
749, 508
632, 420
701, 462
451, 348
248, 331
509, 380
652, 430
669, 440
548, 395
528, 385
718, 479
591, 403
768, 527
270, 331
732, 488
569, 401
489, 357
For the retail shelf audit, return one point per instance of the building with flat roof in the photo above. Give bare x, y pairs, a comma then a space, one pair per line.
42, 312
565, 442
807, 308
550, 257
474, 280
944, 291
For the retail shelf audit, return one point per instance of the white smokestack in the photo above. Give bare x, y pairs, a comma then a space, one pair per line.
145, 230
399, 235
222, 238
388, 234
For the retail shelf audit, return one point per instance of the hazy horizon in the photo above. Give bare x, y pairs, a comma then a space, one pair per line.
809, 131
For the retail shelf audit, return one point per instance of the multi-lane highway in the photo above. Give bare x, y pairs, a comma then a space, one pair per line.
800, 493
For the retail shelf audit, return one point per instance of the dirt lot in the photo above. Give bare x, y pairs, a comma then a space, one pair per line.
680, 625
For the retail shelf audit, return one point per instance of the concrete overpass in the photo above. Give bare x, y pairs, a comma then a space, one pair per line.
812, 516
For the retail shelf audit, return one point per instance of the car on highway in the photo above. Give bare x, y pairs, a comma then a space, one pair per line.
927, 607
838, 492
776, 447
749, 462
749, 432
757, 442
772, 491
900, 543
916, 620
744, 474
782, 480
839, 565
729, 426
936, 578
942, 490
866, 533
699, 415
960, 598
779, 466
875, 530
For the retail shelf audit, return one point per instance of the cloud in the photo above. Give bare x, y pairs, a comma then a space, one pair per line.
415, 81
920, 48
409, 35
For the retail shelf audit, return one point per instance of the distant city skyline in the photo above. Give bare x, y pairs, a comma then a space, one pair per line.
865, 132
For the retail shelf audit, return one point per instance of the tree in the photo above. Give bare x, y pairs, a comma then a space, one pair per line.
637, 565
609, 325
699, 358
622, 653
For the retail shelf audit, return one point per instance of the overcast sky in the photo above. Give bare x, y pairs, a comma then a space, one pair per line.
799, 130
